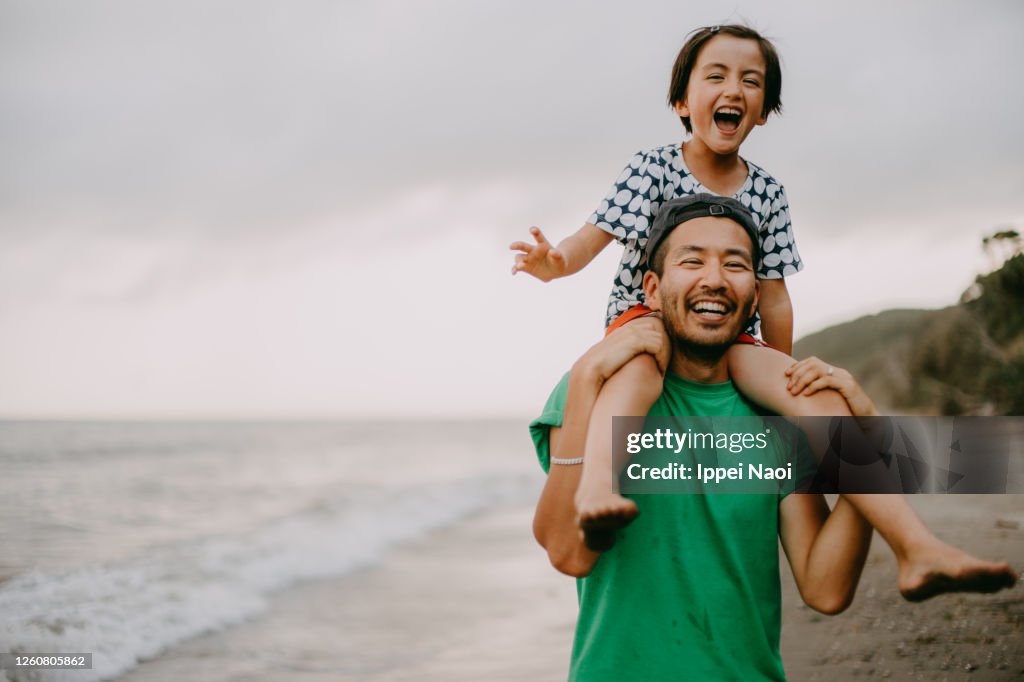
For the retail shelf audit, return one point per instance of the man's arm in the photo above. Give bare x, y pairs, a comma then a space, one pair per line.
826, 550
554, 524
776, 314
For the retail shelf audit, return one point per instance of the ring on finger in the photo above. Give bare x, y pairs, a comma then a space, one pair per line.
830, 371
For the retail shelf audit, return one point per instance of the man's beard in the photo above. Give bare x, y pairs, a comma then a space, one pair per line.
704, 346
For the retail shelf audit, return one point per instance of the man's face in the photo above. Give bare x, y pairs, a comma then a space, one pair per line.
707, 290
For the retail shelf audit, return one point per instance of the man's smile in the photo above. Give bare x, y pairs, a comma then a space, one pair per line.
711, 310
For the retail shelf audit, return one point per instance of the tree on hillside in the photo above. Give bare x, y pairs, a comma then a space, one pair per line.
1002, 245
974, 361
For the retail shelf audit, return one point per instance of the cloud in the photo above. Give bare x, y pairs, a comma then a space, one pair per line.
240, 118
192, 196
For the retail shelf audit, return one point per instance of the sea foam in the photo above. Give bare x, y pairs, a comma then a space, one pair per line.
132, 610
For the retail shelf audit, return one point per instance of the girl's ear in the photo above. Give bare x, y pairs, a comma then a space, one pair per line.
652, 290
681, 108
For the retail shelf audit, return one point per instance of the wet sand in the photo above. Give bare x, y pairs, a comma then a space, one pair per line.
479, 602
474, 602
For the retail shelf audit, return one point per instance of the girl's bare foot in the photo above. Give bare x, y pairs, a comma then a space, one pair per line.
600, 516
942, 569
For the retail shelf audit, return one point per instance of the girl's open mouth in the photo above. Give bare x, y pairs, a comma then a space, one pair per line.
727, 120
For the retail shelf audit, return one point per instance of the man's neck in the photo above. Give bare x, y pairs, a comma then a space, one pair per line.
701, 367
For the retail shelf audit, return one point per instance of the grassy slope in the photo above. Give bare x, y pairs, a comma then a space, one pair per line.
968, 358
876, 349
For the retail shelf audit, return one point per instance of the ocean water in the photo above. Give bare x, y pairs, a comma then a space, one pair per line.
123, 539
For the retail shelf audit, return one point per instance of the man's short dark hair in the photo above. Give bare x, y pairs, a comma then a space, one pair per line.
677, 211
687, 58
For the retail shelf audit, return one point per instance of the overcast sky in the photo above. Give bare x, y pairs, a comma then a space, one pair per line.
256, 209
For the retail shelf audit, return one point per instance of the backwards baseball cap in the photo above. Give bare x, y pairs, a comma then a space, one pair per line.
678, 211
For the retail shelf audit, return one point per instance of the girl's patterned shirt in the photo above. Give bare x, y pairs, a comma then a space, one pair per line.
657, 175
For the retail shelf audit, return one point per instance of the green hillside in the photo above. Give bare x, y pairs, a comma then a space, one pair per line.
965, 359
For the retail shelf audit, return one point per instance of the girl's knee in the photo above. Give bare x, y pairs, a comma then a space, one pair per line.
640, 379
644, 366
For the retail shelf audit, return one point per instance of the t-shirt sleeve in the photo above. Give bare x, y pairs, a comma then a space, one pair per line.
625, 212
540, 428
779, 256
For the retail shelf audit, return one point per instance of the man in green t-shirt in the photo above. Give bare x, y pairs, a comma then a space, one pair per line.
690, 590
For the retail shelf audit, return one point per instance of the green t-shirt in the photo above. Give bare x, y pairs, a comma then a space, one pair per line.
690, 591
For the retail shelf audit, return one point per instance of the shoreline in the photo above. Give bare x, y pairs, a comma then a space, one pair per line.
459, 604
478, 600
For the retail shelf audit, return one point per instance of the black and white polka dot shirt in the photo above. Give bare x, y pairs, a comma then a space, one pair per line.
657, 175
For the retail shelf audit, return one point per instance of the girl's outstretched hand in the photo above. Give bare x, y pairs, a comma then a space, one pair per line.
541, 260
811, 375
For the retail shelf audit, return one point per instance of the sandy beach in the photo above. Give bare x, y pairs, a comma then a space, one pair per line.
478, 602
474, 602
950, 637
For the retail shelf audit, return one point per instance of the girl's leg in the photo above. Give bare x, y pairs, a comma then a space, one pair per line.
927, 566
629, 392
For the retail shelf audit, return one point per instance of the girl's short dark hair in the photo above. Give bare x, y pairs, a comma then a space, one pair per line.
687, 58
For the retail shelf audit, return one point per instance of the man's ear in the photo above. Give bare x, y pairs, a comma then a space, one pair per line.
652, 290
757, 294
